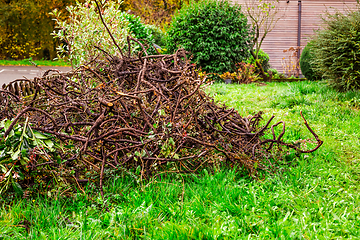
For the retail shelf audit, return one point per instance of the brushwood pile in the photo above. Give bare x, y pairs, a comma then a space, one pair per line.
147, 112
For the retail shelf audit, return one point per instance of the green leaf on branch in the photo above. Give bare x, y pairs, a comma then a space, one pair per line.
39, 135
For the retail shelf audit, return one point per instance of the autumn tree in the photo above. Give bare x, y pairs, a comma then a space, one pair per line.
157, 12
25, 28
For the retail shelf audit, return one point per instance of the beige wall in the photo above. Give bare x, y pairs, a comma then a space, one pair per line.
285, 33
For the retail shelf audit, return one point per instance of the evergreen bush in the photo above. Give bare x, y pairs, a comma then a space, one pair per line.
142, 31
264, 61
138, 29
306, 63
336, 50
215, 32
157, 34
273, 71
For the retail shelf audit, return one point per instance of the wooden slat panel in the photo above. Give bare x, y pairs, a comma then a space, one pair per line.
284, 35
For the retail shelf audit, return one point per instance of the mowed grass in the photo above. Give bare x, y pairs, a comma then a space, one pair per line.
317, 197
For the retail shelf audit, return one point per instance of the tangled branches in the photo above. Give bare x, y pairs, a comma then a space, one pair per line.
146, 112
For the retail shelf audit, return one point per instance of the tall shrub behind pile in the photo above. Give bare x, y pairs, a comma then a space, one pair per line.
84, 31
216, 32
337, 49
306, 63
142, 31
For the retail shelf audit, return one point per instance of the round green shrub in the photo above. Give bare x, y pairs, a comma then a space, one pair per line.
306, 65
264, 61
336, 50
215, 32
137, 28
140, 30
273, 71
157, 34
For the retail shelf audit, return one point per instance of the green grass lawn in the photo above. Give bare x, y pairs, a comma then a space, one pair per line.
27, 62
317, 197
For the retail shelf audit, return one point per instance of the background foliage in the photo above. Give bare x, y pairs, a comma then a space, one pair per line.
155, 12
336, 49
157, 34
25, 27
216, 32
83, 31
263, 59
306, 63
149, 34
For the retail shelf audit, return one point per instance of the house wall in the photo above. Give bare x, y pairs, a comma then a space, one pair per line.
285, 34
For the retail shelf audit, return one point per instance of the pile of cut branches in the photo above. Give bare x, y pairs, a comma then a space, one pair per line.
146, 112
